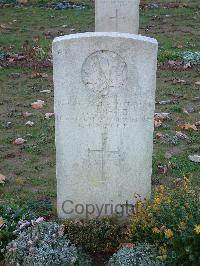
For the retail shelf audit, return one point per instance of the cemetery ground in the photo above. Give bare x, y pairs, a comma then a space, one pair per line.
28, 163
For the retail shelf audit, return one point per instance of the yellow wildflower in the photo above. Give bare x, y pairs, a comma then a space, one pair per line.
139, 204
168, 233
157, 201
186, 182
155, 230
197, 229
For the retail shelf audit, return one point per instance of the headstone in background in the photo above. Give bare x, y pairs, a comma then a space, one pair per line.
117, 16
104, 106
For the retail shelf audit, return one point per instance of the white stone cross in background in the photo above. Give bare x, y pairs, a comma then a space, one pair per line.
117, 16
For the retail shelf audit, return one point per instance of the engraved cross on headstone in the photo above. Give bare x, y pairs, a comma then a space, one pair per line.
117, 16
103, 155
117, 19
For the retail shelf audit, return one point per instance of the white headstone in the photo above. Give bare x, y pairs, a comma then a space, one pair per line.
117, 16
104, 105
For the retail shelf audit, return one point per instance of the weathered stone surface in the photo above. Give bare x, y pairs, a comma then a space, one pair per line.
104, 107
117, 16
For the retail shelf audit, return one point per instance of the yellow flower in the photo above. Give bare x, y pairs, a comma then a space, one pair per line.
197, 229
157, 201
139, 204
186, 182
155, 230
139, 208
168, 233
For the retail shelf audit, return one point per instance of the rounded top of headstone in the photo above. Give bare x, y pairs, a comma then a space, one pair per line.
135, 37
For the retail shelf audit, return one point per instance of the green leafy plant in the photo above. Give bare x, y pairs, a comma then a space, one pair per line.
140, 255
95, 235
171, 222
165, 55
10, 217
38, 208
83, 259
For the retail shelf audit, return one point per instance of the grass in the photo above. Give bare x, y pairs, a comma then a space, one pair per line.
26, 24
30, 168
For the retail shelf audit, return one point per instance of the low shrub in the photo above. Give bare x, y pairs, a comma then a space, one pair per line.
83, 259
11, 216
43, 245
171, 222
140, 255
94, 235
191, 57
166, 55
8, 1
